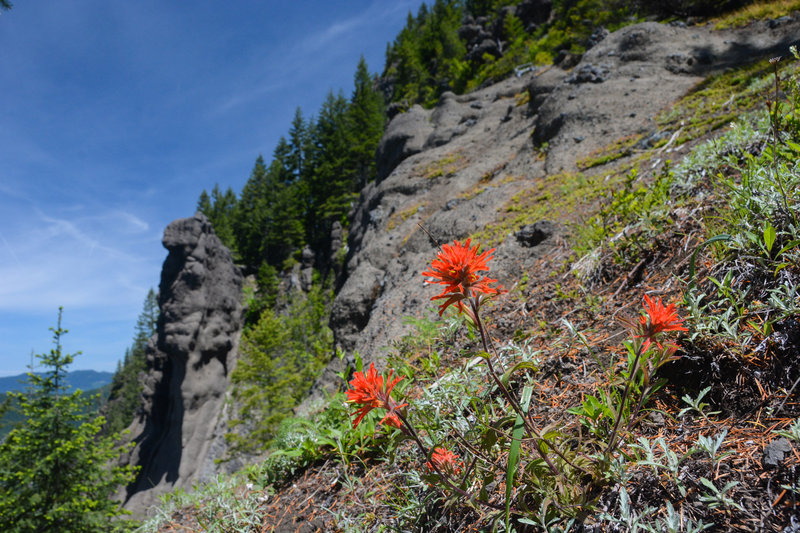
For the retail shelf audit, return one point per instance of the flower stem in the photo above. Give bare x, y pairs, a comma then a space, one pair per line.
409, 430
631, 377
516, 406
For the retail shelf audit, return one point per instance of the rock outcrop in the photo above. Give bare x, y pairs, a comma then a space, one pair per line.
471, 153
454, 168
179, 429
629, 76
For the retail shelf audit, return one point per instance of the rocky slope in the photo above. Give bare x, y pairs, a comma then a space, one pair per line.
454, 168
179, 430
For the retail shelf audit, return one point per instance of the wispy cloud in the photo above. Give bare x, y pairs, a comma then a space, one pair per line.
312, 57
74, 262
116, 115
344, 29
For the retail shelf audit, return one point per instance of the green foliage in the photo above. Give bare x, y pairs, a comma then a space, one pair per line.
755, 283
223, 505
123, 398
281, 356
311, 182
427, 57
422, 57
365, 126
629, 217
342, 159
220, 209
56, 471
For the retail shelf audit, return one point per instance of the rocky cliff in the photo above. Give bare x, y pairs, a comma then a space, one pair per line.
179, 429
454, 169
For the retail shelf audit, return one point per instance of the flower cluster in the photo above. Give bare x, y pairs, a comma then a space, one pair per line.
456, 267
445, 461
658, 319
370, 390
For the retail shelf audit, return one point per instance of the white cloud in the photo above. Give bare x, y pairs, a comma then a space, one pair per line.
76, 262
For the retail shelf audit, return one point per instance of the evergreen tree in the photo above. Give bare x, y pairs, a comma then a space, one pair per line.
285, 231
204, 203
123, 399
427, 53
222, 212
366, 124
146, 323
220, 209
298, 145
56, 472
252, 215
281, 356
330, 187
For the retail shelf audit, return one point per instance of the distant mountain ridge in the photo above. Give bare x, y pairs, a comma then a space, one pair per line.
78, 379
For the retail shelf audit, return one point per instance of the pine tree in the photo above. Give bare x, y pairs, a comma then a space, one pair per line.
123, 399
281, 356
220, 209
367, 118
298, 145
330, 187
251, 216
56, 472
426, 53
204, 203
146, 323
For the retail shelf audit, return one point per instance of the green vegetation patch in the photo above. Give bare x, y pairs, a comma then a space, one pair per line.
281, 356
550, 198
618, 149
717, 101
756, 11
446, 166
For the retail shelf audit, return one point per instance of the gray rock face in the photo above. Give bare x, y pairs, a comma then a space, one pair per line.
405, 136
476, 155
179, 430
622, 82
454, 169
418, 129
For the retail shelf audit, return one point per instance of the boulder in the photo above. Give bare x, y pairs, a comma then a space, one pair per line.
406, 135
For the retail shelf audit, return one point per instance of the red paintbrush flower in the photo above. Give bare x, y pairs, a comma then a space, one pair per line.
658, 319
456, 267
371, 391
446, 461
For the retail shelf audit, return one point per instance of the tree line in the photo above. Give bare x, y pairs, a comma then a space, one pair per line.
313, 177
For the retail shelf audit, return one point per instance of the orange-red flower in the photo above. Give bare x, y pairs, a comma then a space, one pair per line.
456, 267
370, 391
658, 319
446, 461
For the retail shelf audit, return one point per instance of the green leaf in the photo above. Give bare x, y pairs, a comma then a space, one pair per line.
793, 145
519, 366
717, 238
789, 246
513, 452
769, 236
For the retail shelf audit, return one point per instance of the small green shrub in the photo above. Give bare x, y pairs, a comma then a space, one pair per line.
281, 356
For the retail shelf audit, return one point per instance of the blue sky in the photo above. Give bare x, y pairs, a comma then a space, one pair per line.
115, 115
